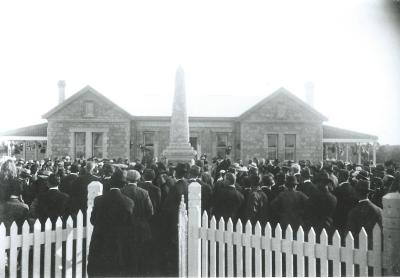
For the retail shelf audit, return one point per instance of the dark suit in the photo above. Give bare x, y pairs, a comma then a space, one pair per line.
13, 210
142, 231
50, 204
66, 183
257, 207
364, 214
79, 191
226, 203
289, 207
320, 209
110, 251
154, 193
307, 188
106, 181
346, 200
170, 224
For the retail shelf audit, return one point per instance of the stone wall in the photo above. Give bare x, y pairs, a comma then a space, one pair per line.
106, 118
308, 140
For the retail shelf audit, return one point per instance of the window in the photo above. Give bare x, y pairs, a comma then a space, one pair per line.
148, 139
80, 144
89, 109
97, 144
290, 146
272, 150
222, 144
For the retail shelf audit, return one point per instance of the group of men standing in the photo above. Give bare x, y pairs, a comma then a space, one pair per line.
135, 219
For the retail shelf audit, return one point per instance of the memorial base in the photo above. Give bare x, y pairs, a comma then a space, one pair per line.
179, 152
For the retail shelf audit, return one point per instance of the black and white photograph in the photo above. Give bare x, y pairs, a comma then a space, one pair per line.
199, 138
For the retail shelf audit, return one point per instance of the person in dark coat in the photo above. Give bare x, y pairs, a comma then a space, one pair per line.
306, 186
154, 191
227, 200
279, 186
66, 182
267, 182
289, 206
50, 204
141, 216
108, 170
79, 188
321, 206
364, 214
346, 200
170, 220
257, 207
111, 247
13, 209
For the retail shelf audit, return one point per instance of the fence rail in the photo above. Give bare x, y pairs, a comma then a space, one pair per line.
53, 252
228, 249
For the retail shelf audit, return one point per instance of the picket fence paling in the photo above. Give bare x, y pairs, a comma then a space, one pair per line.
27, 237
289, 246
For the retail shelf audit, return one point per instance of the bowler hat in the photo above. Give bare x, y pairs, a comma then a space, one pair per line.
291, 180
363, 175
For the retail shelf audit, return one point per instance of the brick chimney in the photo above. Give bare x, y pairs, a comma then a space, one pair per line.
309, 93
61, 91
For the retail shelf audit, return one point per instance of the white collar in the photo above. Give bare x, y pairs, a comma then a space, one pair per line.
53, 188
306, 181
132, 183
342, 183
364, 200
115, 188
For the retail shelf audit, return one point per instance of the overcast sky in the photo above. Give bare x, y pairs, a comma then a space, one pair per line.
127, 49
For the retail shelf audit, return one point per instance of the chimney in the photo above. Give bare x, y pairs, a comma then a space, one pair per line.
61, 91
309, 93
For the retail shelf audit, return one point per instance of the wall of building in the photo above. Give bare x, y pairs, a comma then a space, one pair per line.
106, 118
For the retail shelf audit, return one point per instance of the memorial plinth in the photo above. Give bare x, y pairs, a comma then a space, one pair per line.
179, 148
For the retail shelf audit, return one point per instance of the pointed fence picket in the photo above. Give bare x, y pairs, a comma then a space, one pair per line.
229, 250
13, 251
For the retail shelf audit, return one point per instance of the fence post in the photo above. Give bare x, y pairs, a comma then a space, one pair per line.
95, 188
194, 242
182, 238
391, 234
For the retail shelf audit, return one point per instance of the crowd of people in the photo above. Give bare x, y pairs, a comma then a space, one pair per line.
135, 219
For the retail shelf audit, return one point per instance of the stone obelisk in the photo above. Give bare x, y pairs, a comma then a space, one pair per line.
179, 149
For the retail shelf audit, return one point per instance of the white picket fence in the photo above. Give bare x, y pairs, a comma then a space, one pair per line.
42, 241
227, 250
51, 244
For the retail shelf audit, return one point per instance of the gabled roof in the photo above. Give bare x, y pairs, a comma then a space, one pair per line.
283, 91
330, 132
85, 90
32, 130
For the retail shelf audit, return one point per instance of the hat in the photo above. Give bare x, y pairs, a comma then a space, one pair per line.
195, 171
180, 169
291, 180
25, 173
132, 175
148, 174
252, 165
322, 178
363, 186
363, 175
44, 174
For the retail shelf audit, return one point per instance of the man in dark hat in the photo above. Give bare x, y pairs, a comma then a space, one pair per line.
227, 200
321, 205
365, 213
346, 200
66, 182
289, 206
50, 204
171, 209
110, 251
306, 186
256, 206
141, 234
279, 186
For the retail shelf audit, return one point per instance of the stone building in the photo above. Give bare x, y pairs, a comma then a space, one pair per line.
279, 126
